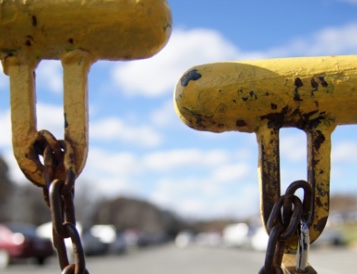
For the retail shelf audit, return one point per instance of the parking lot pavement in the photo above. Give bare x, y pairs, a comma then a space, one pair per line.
195, 260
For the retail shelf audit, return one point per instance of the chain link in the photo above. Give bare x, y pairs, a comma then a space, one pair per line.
289, 217
59, 174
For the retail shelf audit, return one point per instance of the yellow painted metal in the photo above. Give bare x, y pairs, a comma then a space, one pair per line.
243, 96
76, 65
77, 32
108, 29
23, 111
314, 94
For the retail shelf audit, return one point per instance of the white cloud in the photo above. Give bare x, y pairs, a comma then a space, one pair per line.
5, 136
49, 76
158, 75
232, 172
4, 80
171, 159
205, 199
112, 164
113, 173
165, 116
328, 41
112, 128
344, 152
15, 172
51, 118
293, 145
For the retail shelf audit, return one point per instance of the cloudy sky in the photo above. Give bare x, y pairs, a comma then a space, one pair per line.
139, 147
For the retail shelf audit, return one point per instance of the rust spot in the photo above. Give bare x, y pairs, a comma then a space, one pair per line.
29, 40
318, 140
314, 84
241, 123
252, 94
191, 75
65, 121
298, 84
273, 106
322, 81
318, 202
221, 108
321, 224
34, 20
276, 119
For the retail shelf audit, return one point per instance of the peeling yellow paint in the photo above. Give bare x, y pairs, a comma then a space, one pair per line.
255, 92
314, 94
113, 30
77, 32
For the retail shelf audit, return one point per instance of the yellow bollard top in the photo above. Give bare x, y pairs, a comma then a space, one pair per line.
107, 29
243, 96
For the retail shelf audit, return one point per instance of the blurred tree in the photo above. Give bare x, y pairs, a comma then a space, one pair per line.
343, 202
86, 201
28, 206
6, 191
129, 213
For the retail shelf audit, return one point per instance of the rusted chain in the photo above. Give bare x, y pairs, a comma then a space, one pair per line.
274, 255
291, 226
59, 174
289, 217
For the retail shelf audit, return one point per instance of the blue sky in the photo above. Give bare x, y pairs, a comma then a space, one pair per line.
139, 147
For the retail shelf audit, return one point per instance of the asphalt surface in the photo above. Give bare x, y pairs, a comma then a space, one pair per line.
169, 259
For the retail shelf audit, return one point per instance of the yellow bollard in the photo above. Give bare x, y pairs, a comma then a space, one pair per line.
77, 32
314, 94
107, 29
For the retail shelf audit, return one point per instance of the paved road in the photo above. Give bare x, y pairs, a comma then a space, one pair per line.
195, 260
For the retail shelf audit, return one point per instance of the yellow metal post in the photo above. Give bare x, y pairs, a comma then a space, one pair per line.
78, 33
313, 94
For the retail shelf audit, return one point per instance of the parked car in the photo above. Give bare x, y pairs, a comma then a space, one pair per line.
259, 239
92, 245
236, 235
20, 241
330, 236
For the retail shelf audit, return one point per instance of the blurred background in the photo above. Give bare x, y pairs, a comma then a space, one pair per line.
149, 179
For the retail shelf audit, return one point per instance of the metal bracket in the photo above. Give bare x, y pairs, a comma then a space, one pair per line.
314, 94
78, 33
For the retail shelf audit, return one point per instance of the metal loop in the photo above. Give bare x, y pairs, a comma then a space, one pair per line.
80, 266
56, 208
45, 138
70, 269
276, 218
307, 202
58, 242
273, 258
